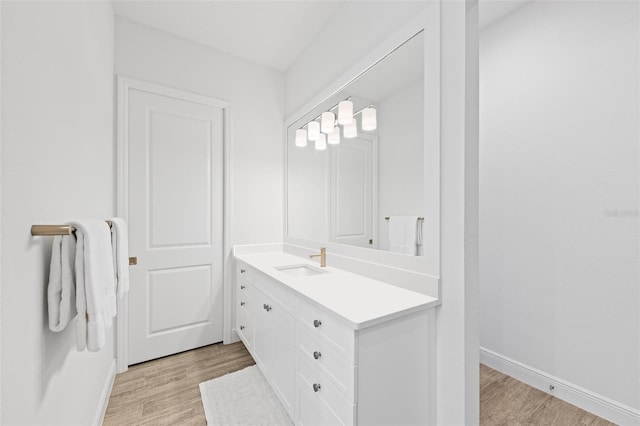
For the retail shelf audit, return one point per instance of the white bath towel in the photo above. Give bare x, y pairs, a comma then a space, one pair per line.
120, 247
403, 234
95, 283
61, 292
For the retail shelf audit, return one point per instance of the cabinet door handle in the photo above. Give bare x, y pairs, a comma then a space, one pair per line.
316, 387
268, 308
242, 271
242, 287
317, 354
264, 306
317, 323
242, 303
242, 327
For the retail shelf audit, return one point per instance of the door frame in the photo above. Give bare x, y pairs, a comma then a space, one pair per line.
124, 85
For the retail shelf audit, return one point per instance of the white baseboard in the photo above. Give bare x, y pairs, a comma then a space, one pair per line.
101, 410
589, 401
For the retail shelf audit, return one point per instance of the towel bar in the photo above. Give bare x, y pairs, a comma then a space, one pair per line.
50, 230
387, 218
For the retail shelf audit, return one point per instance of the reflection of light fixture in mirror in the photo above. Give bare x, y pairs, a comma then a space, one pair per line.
351, 130
333, 138
345, 112
301, 138
313, 130
369, 121
328, 122
321, 143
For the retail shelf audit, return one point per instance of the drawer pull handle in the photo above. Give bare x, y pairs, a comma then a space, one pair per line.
316, 387
242, 271
242, 327
242, 303
317, 355
317, 323
242, 287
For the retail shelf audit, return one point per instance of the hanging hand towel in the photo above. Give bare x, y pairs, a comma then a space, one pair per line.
95, 284
120, 247
61, 292
403, 234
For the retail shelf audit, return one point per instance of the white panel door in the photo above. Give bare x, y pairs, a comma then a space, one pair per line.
353, 192
175, 207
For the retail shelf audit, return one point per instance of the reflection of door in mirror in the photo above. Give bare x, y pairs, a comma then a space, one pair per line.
341, 192
353, 192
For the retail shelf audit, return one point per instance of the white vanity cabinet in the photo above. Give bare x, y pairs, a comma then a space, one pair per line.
329, 359
267, 328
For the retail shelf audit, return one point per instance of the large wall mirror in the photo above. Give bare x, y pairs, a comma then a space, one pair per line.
361, 182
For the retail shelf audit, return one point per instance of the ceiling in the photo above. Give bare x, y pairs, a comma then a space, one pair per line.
268, 33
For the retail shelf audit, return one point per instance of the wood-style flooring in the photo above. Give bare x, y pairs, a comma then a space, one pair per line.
507, 401
165, 392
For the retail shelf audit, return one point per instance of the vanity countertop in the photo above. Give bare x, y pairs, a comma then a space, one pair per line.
359, 300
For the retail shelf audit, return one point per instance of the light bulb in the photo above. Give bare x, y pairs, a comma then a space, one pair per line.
350, 130
301, 138
333, 138
345, 112
321, 143
369, 121
328, 122
313, 130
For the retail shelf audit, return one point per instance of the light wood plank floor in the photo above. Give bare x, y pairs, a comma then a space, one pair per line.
507, 401
165, 392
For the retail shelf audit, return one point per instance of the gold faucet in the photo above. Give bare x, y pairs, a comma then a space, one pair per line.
322, 255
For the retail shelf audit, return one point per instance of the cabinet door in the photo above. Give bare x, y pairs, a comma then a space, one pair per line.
283, 355
262, 336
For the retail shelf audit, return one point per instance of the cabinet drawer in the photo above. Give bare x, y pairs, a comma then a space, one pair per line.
244, 272
276, 292
325, 326
244, 327
323, 405
340, 371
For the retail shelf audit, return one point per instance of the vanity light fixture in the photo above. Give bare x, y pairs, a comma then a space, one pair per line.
345, 112
369, 121
333, 138
350, 130
321, 143
313, 130
327, 123
301, 138
328, 128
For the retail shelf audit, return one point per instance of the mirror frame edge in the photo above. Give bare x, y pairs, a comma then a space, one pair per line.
428, 22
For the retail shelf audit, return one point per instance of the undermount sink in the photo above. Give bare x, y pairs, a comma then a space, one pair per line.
300, 270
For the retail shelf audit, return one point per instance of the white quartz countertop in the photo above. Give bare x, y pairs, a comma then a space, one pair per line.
359, 300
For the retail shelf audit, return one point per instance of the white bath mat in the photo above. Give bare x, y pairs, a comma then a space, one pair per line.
242, 398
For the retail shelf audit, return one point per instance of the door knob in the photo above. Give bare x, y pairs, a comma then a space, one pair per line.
133, 261
317, 355
317, 323
316, 387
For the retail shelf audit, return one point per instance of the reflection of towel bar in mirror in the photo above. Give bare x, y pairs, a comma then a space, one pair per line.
387, 218
50, 230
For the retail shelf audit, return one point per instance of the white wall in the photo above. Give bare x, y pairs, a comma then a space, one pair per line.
401, 157
355, 29
57, 165
256, 96
559, 186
